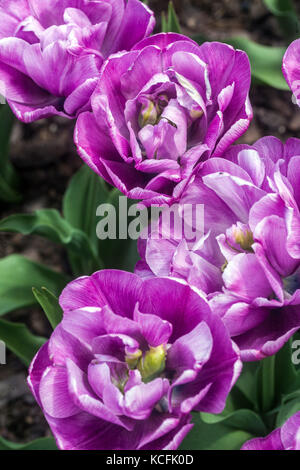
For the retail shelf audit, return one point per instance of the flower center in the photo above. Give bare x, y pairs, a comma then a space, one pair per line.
150, 364
244, 238
152, 110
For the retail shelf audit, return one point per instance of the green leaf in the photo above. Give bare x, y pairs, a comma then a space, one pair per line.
285, 372
50, 224
286, 15
20, 340
45, 443
9, 181
50, 305
217, 436
289, 406
17, 277
246, 383
266, 61
119, 253
277, 382
266, 384
244, 420
164, 23
7, 191
170, 24
85, 193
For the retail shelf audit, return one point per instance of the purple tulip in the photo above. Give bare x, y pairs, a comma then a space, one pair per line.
285, 438
291, 68
248, 261
51, 51
161, 108
129, 361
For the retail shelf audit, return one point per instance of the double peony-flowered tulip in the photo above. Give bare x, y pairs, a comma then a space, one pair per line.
51, 52
248, 260
135, 354
129, 362
159, 110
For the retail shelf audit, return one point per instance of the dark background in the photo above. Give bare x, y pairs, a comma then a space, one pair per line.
44, 156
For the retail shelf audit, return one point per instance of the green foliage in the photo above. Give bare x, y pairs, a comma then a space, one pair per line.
266, 61
17, 277
267, 392
8, 179
20, 340
217, 436
84, 194
264, 397
247, 384
48, 223
45, 443
88, 190
242, 419
290, 405
276, 379
266, 384
50, 305
286, 15
170, 22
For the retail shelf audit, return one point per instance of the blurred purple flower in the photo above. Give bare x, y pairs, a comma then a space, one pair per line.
129, 362
291, 68
51, 52
248, 261
285, 438
161, 108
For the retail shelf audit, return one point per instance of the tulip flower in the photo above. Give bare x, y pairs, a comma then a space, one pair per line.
129, 362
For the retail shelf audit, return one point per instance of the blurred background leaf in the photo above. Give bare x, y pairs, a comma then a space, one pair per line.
9, 181
20, 340
286, 15
45, 443
266, 61
169, 21
50, 224
17, 277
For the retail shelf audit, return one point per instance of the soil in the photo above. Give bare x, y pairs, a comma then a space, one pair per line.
45, 158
